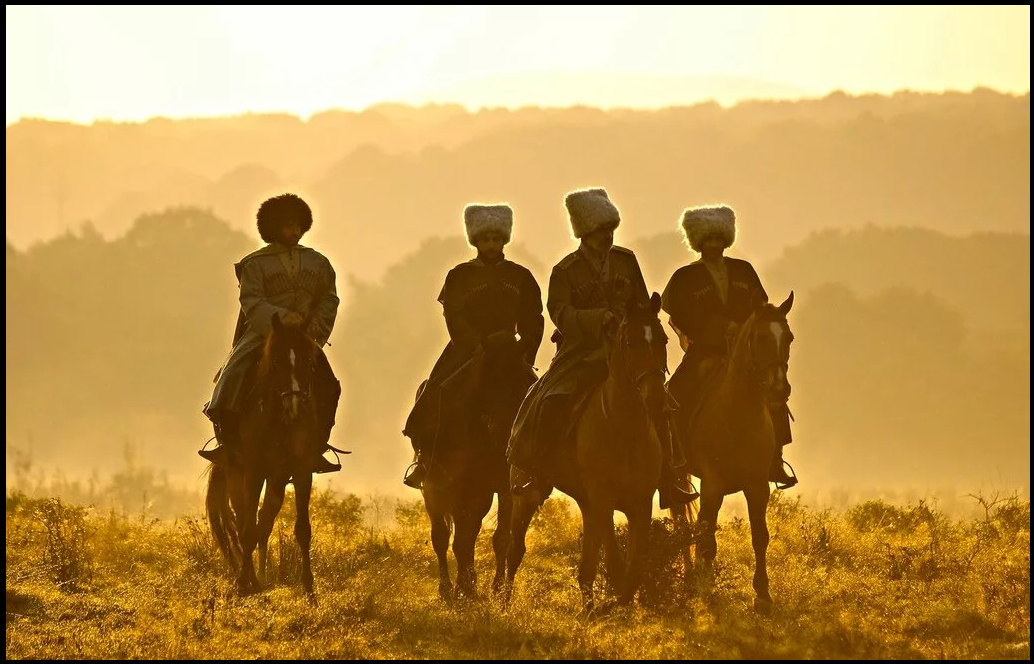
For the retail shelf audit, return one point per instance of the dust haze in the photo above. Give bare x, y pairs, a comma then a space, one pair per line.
900, 222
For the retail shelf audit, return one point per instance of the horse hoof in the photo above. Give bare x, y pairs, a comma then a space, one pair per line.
762, 606
466, 592
589, 609
445, 591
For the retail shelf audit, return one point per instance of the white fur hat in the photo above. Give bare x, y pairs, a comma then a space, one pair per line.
590, 210
480, 219
699, 222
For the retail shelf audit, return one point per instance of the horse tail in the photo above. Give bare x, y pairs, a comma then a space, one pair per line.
220, 515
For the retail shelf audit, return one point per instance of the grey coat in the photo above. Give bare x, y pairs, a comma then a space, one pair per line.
268, 287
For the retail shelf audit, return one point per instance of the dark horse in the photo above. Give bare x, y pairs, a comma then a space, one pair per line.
615, 461
484, 395
278, 434
730, 440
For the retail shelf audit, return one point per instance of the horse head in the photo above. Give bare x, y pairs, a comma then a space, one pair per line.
639, 353
286, 371
766, 340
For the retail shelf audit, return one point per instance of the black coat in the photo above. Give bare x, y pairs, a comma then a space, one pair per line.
479, 299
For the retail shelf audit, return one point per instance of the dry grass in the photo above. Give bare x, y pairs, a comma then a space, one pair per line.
876, 581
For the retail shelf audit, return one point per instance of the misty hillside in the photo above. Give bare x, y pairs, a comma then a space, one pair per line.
383, 179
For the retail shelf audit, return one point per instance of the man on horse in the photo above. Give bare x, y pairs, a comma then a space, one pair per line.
707, 300
485, 370
297, 284
586, 288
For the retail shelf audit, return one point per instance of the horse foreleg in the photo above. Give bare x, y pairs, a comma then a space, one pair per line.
707, 543
757, 507
524, 508
245, 506
441, 531
638, 542
271, 504
594, 523
501, 540
303, 528
468, 526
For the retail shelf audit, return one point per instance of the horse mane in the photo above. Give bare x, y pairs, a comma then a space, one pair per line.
266, 361
741, 346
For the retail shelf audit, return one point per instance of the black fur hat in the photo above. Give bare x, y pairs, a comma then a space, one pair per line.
275, 211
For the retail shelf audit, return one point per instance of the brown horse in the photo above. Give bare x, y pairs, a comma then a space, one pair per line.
278, 429
484, 394
615, 461
730, 439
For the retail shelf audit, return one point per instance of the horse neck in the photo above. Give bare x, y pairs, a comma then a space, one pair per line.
621, 399
739, 382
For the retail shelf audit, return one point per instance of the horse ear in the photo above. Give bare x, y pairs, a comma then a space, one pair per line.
278, 325
787, 304
655, 302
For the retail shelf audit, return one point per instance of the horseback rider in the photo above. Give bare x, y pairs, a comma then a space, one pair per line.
296, 283
486, 301
586, 288
707, 300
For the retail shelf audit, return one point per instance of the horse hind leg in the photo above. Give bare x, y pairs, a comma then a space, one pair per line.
271, 504
683, 520
501, 540
757, 507
615, 562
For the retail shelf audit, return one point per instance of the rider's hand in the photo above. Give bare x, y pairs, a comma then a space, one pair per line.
609, 317
292, 319
500, 338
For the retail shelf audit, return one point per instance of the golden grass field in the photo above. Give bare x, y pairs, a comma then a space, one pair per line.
872, 581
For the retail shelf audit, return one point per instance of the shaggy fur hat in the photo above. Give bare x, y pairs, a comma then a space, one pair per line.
699, 222
275, 211
480, 219
590, 210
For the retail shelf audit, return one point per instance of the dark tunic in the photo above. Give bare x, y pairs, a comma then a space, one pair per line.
701, 319
479, 299
578, 297
697, 312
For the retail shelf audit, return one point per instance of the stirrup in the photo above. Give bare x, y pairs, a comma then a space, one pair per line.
324, 465
672, 495
524, 483
413, 472
790, 481
220, 455
690, 494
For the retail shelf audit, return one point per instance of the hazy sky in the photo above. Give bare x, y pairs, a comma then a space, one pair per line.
126, 63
